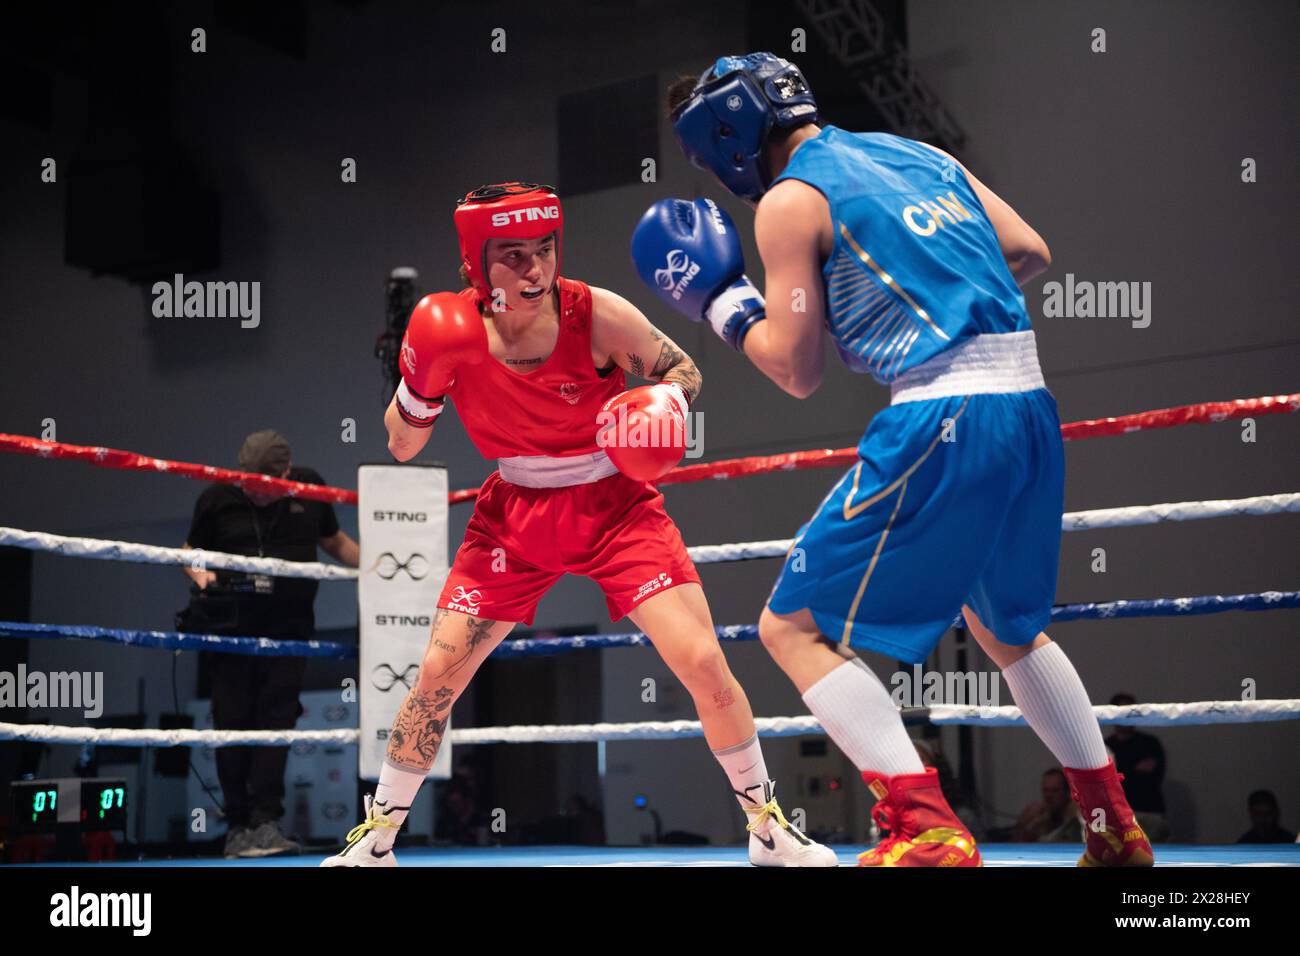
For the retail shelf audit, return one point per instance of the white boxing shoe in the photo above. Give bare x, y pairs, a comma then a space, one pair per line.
362, 839
775, 841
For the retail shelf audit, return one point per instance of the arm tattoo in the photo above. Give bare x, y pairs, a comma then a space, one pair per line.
687, 376
668, 354
673, 365
637, 365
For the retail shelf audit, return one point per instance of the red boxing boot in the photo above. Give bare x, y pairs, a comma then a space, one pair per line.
923, 830
1114, 837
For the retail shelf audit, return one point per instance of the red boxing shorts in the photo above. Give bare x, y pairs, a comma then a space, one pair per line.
521, 540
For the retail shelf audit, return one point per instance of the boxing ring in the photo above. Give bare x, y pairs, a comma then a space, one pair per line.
993, 854
1164, 714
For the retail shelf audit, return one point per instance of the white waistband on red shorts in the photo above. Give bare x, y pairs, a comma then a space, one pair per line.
542, 471
985, 364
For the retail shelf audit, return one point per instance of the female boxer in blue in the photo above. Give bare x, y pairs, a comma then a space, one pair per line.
912, 267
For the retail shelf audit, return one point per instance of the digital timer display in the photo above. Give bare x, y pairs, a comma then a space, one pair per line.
103, 804
43, 806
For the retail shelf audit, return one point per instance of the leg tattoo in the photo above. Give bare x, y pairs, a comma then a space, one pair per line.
479, 631
417, 732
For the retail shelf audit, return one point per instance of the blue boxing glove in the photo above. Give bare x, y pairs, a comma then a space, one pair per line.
689, 254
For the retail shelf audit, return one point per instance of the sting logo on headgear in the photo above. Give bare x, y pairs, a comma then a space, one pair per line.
505, 211
737, 103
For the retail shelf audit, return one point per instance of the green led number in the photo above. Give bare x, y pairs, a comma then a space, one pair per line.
39, 802
110, 798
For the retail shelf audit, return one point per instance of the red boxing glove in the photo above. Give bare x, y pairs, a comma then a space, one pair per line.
643, 430
445, 330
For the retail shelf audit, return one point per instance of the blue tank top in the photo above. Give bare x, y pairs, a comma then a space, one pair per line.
915, 268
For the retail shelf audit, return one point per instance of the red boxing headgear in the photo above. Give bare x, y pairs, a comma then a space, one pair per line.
506, 211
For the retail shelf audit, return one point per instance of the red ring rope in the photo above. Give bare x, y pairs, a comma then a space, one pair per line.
728, 468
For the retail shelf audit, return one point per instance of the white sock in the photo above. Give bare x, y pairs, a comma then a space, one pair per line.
854, 707
746, 772
1049, 693
394, 796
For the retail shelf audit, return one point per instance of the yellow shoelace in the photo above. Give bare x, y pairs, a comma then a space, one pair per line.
760, 815
374, 820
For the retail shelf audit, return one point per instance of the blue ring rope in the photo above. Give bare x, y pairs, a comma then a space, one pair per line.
529, 647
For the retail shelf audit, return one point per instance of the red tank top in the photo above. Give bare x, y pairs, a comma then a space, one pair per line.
548, 411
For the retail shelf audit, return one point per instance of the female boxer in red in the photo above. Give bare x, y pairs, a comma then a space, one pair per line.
531, 360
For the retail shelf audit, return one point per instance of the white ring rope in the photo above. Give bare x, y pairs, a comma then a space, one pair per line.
1168, 715
700, 554
1145, 715
1149, 715
1070, 521
1179, 511
195, 558
124, 737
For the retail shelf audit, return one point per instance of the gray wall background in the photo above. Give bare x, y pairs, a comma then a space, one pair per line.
1127, 162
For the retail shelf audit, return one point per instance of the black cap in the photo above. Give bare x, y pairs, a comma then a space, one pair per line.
265, 451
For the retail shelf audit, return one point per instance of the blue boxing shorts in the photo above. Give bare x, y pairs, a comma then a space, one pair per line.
954, 500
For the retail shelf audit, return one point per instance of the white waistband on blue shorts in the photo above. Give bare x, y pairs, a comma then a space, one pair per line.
983, 365
543, 471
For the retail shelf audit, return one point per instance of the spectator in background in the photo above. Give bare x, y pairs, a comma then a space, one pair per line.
1264, 814
1053, 819
256, 692
460, 821
1141, 759
586, 822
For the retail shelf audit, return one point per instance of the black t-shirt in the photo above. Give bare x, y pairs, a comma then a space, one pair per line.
1278, 836
1142, 787
225, 519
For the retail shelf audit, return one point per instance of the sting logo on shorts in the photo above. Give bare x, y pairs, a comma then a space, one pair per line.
653, 585
465, 601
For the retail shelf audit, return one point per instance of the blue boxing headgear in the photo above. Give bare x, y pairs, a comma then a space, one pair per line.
734, 107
